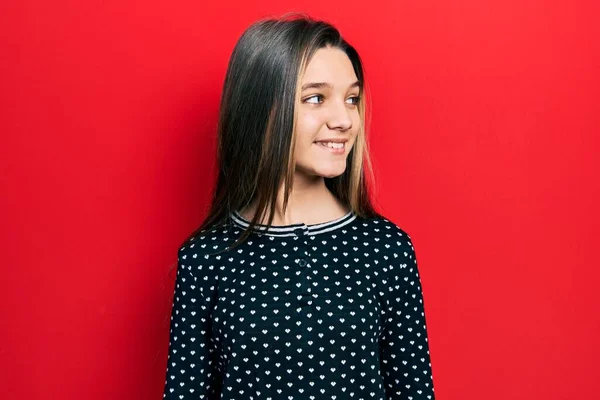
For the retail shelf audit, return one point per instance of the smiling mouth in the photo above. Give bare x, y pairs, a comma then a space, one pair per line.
331, 147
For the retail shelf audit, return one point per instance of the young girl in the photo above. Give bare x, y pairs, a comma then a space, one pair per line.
294, 287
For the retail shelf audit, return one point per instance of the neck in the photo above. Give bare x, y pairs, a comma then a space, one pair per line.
310, 202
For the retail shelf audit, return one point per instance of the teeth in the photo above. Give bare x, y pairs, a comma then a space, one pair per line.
332, 145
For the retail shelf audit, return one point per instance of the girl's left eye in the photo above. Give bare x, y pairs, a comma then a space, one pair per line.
356, 99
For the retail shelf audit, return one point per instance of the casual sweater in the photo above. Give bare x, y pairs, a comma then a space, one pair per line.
324, 311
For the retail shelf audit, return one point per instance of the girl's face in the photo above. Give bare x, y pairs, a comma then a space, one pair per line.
328, 118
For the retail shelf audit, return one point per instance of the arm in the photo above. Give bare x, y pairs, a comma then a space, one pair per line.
404, 347
192, 368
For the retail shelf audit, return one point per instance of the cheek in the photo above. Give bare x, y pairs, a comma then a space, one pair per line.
356, 122
309, 123
307, 130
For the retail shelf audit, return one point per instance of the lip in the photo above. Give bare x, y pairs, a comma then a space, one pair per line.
331, 150
332, 140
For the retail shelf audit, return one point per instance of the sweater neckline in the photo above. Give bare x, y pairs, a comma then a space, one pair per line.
298, 229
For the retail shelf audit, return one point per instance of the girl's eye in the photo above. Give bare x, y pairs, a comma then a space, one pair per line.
356, 99
319, 96
313, 97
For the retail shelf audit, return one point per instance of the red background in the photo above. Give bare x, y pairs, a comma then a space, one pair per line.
485, 124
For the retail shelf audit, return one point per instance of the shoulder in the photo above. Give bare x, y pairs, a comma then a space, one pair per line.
207, 243
399, 242
201, 255
396, 254
388, 234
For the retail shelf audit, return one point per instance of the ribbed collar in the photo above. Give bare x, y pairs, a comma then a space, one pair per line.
298, 229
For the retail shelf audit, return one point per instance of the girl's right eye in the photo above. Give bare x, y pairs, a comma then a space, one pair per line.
313, 97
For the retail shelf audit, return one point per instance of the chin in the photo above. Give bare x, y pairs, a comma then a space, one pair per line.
329, 172
322, 169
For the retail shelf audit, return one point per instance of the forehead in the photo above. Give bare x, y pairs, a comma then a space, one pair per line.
329, 65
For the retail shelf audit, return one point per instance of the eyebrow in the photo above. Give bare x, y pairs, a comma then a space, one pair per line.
321, 85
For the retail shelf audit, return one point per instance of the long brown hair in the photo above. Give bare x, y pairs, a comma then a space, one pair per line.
257, 119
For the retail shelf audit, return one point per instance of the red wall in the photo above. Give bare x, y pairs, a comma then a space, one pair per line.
485, 136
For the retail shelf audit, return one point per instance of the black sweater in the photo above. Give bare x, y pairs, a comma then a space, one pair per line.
324, 311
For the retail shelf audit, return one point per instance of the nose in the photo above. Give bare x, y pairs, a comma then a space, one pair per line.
339, 116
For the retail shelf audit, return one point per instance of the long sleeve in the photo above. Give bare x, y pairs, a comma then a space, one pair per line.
404, 347
192, 366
